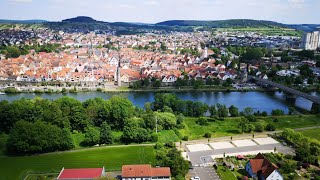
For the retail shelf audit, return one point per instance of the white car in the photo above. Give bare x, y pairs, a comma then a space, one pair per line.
195, 178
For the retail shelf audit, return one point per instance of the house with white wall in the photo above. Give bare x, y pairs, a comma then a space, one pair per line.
261, 168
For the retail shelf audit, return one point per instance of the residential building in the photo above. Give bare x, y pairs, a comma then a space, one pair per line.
81, 174
145, 172
261, 168
311, 40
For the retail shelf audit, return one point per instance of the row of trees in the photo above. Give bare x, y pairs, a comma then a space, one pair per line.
67, 112
97, 118
27, 121
307, 150
15, 51
169, 156
196, 109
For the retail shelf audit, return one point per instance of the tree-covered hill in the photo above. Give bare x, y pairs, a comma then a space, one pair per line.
223, 23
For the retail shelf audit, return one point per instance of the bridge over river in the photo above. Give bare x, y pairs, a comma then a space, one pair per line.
292, 93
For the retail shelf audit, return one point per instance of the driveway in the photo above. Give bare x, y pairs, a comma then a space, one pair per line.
205, 173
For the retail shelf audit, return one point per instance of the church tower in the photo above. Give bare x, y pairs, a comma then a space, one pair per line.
118, 72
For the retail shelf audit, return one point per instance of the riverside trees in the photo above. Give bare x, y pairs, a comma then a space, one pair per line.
96, 119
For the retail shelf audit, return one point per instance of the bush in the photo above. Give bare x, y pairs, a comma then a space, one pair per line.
251, 118
154, 137
275, 120
258, 127
202, 121
11, 90
185, 138
270, 127
277, 112
264, 113
64, 90
99, 89
207, 135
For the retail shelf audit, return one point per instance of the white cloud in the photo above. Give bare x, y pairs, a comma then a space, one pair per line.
126, 6
152, 3
20, 1
296, 3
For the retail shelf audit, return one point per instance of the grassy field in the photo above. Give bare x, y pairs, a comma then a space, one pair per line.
168, 136
312, 133
265, 30
228, 126
112, 158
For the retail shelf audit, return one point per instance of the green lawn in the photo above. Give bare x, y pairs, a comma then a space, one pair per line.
296, 121
312, 133
218, 128
225, 173
112, 158
228, 127
168, 136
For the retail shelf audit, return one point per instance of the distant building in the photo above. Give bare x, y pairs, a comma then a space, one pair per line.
79, 174
311, 40
145, 172
261, 168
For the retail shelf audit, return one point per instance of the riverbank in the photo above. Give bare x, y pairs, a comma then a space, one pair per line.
115, 89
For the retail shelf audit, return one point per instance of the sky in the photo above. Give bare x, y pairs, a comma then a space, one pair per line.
153, 11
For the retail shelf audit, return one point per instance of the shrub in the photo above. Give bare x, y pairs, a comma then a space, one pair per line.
202, 121
64, 90
258, 127
11, 90
275, 120
185, 138
99, 89
251, 118
270, 127
207, 135
277, 112
264, 113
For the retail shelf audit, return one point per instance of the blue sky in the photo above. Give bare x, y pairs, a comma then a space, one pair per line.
151, 11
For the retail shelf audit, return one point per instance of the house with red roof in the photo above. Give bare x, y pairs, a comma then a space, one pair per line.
81, 174
261, 168
145, 172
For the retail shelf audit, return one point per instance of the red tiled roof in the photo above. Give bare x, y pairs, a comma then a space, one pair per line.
260, 163
144, 170
85, 173
161, 171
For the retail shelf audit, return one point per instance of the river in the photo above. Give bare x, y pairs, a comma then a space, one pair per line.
263, 101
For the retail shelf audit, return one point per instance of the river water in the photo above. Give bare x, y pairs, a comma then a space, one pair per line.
263, 101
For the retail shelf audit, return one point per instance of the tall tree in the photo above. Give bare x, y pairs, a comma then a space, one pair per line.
243, 124
91, 136
234, 111
105, 134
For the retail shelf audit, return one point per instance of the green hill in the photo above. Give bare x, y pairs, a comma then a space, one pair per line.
223, 23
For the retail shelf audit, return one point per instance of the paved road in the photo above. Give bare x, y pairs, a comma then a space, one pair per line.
197, 157
205, 173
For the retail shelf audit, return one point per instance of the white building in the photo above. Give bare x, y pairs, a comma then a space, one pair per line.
311, 40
